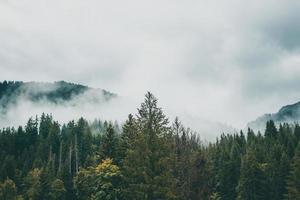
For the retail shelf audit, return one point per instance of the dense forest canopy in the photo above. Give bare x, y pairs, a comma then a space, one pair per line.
149, 157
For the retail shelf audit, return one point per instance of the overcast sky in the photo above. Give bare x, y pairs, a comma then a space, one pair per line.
227, 61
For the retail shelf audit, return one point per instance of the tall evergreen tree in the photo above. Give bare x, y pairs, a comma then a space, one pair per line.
252, 181
147, 164
293, 183
271, 130
108, 147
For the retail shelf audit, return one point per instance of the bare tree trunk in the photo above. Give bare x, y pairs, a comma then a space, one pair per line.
60, 157
53, 163
70, 159
50, 154
76, 155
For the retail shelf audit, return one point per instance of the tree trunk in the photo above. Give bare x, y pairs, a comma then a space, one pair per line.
76, 155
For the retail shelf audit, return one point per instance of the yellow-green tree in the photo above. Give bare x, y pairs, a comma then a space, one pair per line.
8, 190
33, 184
57, 190
100, 182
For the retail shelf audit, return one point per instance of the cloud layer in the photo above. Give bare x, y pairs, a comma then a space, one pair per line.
226, 61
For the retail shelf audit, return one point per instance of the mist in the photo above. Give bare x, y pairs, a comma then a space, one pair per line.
207, 62
91, 104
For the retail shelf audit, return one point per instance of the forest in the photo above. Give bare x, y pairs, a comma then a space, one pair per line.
57, 92
146, 158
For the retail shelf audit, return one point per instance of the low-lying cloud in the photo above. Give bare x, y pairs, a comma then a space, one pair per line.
221, 61
91, 105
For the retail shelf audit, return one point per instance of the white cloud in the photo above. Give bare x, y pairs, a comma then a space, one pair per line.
226, 61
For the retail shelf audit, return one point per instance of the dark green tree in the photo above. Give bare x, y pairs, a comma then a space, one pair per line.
252, 182
293, 182
148, 164
271, 130
57, 190
108, 147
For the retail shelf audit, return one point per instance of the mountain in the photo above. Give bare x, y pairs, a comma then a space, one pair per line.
55, 93
289, 113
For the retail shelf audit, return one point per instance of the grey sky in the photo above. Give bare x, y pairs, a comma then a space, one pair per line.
226, 61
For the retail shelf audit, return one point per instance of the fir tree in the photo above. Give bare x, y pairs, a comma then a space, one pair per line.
252, 179
293, 182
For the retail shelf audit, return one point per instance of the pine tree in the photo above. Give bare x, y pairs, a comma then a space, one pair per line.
276, 172
271, 130
31, 129
148, 163
252, 179
293, 182
129, 134
297, 132
85, 140
108, 147
45, 124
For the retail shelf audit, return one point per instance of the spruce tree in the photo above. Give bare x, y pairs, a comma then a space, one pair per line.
293, 182
108, 147
271, 130
252, 181
148, 163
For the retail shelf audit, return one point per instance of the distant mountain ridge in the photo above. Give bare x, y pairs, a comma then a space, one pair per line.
289, 113
57, 92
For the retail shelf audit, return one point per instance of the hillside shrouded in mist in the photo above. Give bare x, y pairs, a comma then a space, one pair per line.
228, 70
148, 158
218, 61
286, 114
65, 101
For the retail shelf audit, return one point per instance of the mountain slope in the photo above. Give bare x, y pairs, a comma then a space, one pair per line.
56, 93
288, 113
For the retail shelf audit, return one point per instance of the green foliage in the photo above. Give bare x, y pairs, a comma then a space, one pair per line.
147, 159
108, 147
100, 182
55, 92
271, 130
293, 183
32, 188
57, 190
148, 163
8, 190
252, 181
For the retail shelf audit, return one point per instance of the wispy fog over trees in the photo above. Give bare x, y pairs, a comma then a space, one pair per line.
148, 157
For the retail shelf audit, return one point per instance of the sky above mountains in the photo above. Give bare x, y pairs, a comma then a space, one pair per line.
226, 61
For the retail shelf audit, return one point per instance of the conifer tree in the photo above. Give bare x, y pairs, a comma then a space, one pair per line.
147, 164
293, 182
252, 179
271, 130
108, 148
129, 134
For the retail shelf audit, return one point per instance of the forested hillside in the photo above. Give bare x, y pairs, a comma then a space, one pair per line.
57, 92
149, 157
286, 114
